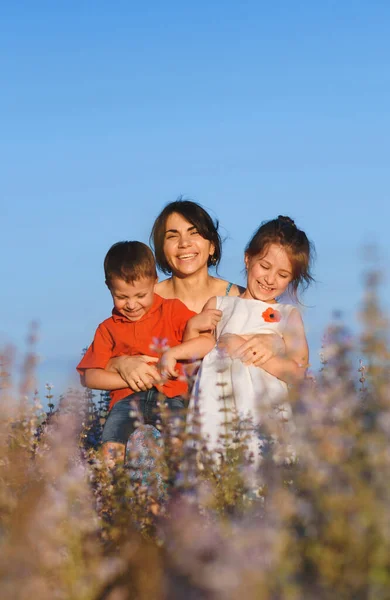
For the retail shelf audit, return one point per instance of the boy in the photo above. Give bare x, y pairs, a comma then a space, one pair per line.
138, 317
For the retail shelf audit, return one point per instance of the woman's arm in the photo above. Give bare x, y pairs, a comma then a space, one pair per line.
100, 379
136, 371
252, 349
291, 368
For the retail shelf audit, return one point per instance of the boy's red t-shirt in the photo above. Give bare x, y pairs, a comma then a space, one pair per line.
163, 324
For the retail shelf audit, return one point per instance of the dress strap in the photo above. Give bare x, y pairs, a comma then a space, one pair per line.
228, 288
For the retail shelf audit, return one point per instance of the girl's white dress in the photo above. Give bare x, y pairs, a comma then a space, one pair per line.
226, 389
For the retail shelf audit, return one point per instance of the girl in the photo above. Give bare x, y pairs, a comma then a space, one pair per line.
277, 259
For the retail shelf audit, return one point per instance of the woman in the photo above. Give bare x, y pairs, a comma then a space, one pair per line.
186, 243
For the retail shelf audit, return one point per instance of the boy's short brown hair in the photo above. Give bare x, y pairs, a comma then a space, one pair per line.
129, 261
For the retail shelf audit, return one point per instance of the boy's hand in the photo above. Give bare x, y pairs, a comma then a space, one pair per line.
207, 320
167, 365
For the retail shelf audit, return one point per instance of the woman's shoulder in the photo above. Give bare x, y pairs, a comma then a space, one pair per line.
164, 289
226, 288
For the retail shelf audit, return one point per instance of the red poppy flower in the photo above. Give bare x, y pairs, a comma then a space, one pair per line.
271, 315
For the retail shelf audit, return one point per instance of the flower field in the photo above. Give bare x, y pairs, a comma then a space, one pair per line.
314, 525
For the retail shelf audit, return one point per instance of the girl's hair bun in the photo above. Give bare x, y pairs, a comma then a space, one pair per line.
286, 221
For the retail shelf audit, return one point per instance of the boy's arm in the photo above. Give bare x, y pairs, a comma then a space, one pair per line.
198, 340
191, 350
205, 322
291, 368
100, 379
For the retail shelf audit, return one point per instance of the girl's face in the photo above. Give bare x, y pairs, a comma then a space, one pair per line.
268, 274
186, 251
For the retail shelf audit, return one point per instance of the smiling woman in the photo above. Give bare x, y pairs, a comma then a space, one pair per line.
185, 249
186, 243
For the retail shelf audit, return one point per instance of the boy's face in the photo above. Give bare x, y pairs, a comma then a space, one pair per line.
132, 300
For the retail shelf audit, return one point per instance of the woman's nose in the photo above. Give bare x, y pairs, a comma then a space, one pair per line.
184, 241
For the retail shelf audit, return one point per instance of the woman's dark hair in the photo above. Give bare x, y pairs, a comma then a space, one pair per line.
129, 261
299, 249
198, 217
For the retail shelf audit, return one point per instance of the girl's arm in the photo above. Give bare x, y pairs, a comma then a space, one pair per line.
291, 367
100, 379
205, 322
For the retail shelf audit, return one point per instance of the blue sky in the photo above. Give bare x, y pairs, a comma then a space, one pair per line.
110, 110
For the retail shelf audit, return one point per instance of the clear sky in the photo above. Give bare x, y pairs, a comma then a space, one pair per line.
109, 110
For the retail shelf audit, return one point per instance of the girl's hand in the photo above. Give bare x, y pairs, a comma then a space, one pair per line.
136, 371
207, 320
167, 365
259, 348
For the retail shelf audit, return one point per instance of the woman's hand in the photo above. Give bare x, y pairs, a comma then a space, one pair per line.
136, 371
230, 343
259, 348
167, 365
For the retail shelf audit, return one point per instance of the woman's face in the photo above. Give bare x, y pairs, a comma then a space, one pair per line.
186, 251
